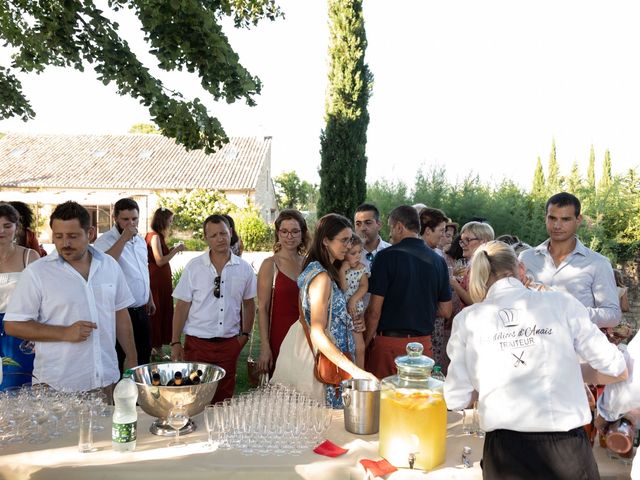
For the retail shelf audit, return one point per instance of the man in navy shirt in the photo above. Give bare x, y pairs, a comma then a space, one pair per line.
409, 287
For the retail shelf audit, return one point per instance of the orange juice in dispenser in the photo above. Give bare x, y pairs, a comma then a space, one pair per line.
413, 414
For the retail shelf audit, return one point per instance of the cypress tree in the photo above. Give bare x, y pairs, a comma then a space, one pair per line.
538, 187
605, 180
553, 180
343, 166
574, 182
591, 171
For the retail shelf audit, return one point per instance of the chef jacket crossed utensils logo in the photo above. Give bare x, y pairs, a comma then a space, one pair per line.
509, 317
518, 359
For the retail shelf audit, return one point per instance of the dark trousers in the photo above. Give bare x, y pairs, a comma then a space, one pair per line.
382, 352
510, 455
223, 352
141, 336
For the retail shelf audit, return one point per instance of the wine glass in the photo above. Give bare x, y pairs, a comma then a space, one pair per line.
177, 419
213, 427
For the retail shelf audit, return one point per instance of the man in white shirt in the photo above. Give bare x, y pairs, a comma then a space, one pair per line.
215, 306
368, 225
564, 263
73, 305
130, 251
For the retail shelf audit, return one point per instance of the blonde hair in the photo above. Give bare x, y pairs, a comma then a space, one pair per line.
482, 231
493, 258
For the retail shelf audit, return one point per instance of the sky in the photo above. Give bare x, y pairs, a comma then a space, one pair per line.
474, 87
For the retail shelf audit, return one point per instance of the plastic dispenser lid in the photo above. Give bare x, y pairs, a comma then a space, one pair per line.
414, 363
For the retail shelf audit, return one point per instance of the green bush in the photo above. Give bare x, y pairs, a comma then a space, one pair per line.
255, 233
175, 277
191, 244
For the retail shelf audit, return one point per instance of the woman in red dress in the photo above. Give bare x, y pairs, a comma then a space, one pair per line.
160, 276
277, 286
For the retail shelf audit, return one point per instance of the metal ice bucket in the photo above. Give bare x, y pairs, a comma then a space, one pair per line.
157, 401
361, 398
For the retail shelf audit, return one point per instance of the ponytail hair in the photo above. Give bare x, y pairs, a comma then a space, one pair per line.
492, 258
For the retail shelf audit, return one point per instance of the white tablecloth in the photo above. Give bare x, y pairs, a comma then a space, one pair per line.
153, 460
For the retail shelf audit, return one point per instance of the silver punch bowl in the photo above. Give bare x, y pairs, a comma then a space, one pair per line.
158, 401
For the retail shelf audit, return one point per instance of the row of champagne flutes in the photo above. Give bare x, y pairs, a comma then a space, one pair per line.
272, 420
36, 414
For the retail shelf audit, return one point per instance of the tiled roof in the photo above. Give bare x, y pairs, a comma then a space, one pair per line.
132, 161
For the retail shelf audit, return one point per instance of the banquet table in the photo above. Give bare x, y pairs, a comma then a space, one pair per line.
152, 460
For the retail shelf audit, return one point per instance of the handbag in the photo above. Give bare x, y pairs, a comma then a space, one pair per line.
324, 369
296, 362
255, 376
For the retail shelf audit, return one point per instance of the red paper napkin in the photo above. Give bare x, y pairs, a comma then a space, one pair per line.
330, 449
378, 468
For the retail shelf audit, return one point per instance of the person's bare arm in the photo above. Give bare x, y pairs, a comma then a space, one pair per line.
462, 293
180, 314
445, 309
265, 285
124, 335
372, 317
39, 332
319, 294
156, 248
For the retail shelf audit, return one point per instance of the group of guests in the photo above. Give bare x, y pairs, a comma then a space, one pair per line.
518, 325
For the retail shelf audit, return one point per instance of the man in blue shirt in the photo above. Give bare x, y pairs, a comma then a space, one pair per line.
409, 287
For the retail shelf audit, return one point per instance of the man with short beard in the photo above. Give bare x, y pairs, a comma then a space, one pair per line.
124, 244
74, 306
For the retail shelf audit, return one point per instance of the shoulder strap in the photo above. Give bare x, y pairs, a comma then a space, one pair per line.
25, 257
302, 320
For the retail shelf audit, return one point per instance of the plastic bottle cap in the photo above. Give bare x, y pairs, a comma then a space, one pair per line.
127, 373
437, 369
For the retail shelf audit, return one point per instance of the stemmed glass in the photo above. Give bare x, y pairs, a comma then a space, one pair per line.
213, 427
177, 419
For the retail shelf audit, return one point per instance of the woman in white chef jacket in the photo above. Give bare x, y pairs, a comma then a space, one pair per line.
517, 349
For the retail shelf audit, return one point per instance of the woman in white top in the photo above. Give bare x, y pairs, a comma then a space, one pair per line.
13, 259
518, 349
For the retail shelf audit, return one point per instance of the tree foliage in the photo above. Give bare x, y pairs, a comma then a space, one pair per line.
510, 209
191, 208
183, 35
145, 128
343, 141
293, 192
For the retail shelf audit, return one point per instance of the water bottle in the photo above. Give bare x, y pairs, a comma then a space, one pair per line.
437, 373
125, 415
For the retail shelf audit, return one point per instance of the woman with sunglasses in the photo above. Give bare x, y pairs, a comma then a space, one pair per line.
277, 286
472, 235
518, 350
323, 302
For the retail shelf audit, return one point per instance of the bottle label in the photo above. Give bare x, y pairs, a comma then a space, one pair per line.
124, 432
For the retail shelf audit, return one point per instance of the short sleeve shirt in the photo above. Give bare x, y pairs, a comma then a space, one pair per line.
209, 316
52, 292
413, 279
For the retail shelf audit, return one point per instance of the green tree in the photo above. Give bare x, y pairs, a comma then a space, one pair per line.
431, 188
183, 35
538, 189
574, 182
386, 195
143, 128
605, 179
554, 182
343, 141
292, 192
191, 208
